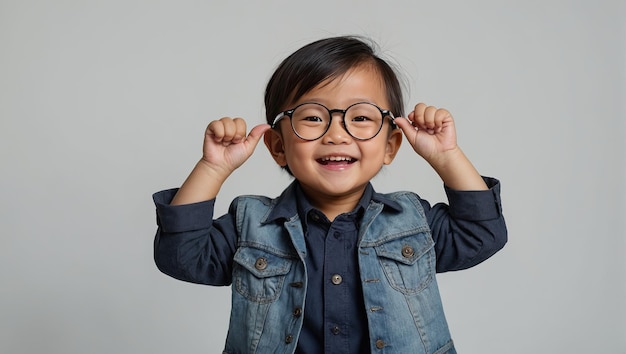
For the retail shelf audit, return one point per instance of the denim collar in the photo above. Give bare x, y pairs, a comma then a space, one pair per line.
293, 202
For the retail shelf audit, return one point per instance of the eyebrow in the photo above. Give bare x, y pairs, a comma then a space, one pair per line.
325, 102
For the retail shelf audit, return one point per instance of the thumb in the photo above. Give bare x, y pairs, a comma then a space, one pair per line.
256, 133
407, 128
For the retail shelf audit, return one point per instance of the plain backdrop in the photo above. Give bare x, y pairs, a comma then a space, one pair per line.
103, 103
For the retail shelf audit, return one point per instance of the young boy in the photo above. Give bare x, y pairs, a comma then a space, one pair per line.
330, 265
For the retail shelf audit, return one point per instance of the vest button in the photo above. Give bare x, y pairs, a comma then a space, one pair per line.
336, 279
261, 263
380, 344
335, 330
407, 251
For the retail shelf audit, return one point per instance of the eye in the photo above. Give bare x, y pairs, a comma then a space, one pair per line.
360, 119
311, 119
309, 114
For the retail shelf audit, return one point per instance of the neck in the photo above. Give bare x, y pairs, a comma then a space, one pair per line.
332, 206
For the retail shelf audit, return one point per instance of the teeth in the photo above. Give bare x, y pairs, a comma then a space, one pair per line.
337, 158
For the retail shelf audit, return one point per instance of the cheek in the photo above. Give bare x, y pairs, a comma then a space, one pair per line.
297, 152
376, 149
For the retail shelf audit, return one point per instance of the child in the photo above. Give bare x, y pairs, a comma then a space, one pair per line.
331, 266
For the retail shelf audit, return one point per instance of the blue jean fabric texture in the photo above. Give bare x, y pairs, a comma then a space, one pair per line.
260, 247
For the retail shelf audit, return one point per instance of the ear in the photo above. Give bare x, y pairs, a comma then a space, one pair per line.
393, 145
274, 142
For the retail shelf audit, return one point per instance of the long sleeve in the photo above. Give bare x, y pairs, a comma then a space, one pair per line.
468, 230
189, 245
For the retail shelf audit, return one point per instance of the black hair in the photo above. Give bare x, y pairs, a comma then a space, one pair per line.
325, 59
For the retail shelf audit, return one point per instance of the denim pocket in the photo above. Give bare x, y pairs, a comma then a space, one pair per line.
259, 275
408, 262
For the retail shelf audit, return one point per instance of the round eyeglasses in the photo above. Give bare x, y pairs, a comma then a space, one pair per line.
310, 121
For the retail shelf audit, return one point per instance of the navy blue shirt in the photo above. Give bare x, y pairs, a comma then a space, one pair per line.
334, 320
466, 232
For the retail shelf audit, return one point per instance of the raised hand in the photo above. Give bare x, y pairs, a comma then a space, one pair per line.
429, 130
431, 133
226, 147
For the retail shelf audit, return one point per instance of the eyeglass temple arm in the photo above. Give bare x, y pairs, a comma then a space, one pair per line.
392, 117
278, 117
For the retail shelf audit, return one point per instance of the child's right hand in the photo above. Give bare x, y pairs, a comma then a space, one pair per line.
226, 146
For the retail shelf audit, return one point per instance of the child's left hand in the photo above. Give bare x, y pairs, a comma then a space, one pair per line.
429, 130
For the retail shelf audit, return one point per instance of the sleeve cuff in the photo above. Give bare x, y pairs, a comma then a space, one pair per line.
476, 205
182, 218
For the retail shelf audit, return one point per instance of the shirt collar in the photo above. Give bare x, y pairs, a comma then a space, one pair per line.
293, 202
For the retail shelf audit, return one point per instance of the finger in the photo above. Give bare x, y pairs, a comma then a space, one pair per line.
430, 113
215, 130
407, 127
442, 116
410, 117
240, 130
256, 133
230, 129
417, 116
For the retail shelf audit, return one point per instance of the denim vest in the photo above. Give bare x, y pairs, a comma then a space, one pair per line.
397, 270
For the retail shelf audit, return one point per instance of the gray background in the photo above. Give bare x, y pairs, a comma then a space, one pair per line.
103, 103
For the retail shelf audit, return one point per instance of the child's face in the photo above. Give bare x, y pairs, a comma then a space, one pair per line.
337, 165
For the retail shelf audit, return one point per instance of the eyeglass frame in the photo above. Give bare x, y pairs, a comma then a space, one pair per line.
289, 113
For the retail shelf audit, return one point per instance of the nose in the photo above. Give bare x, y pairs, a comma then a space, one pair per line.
337, 133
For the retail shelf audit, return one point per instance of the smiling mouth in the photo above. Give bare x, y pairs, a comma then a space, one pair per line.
336, 160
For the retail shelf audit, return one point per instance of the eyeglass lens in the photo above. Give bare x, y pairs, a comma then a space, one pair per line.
362, 120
